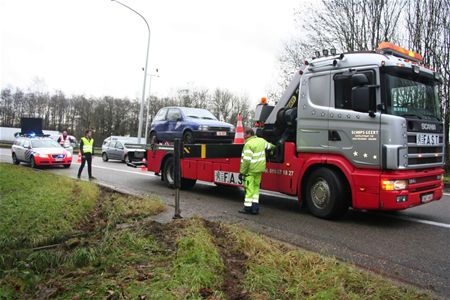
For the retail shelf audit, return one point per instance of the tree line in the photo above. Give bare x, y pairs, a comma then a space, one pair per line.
109, 115
361, 25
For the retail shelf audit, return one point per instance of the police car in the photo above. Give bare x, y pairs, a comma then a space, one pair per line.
39, 151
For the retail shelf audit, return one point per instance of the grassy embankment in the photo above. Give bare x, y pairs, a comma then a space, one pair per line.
68, 239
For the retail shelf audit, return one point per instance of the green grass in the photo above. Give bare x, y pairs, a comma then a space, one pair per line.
188, 259
277, 272
38, 207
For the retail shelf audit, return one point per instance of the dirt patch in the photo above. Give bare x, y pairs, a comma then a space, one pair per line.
97, 219
233, 260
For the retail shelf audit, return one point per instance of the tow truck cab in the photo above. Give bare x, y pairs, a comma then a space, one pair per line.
372, 119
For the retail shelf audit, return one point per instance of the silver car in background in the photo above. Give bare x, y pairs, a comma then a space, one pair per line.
123, 151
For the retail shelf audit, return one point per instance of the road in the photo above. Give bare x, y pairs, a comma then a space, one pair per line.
410, 246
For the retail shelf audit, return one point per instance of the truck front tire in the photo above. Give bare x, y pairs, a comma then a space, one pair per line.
327, 194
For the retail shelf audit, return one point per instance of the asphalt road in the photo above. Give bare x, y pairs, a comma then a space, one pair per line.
411, 246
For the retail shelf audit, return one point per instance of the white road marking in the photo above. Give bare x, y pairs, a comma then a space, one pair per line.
145, 173
428, 222
270, 193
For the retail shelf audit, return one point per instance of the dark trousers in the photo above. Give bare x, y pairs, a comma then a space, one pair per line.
87, 157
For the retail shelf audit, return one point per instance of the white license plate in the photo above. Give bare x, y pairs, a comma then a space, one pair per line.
427, 139
221, 133
231, 178
426, 198
58, 159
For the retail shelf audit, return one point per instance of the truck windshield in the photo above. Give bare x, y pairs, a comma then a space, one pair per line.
412, 96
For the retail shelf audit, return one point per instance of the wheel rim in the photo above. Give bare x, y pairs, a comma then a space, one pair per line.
320, 193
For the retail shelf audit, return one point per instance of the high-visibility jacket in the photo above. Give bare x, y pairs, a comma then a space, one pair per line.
253, 159
88, 145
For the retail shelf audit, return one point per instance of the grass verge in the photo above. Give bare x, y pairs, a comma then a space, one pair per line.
123, 255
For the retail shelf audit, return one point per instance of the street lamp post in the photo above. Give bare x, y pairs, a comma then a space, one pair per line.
141, 109
148, 101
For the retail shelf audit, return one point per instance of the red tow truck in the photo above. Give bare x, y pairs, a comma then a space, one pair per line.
360, 130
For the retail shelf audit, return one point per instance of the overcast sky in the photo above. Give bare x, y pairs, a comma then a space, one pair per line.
97, 47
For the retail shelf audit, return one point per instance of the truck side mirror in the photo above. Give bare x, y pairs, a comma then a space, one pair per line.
359, 79
363, 100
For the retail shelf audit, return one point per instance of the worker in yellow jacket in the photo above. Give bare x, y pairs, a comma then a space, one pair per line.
253, 164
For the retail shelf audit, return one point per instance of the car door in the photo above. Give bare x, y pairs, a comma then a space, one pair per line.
159, 124
26, 148
119, 150
110, 151
175, 124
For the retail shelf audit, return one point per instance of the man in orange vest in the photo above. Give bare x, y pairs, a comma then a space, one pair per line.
63, 138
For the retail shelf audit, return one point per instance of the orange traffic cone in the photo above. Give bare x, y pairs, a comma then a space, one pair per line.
239, 136
79, 157
144, 167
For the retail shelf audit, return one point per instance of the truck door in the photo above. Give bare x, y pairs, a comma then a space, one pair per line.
313, 108
352, 134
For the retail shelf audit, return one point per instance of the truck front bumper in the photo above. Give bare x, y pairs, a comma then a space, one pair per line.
423, 187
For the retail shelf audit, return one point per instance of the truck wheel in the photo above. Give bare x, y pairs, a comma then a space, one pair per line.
326, 194
15, 160
105, 156
167, 173
168, 176
188, 137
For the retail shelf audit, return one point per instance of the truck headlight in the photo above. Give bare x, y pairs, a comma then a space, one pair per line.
43, 155
69, 154
232, 129
203, 128
394, 185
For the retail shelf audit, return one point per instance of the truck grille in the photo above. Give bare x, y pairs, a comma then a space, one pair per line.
425, 155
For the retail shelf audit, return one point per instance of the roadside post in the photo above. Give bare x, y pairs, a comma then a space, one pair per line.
177, 150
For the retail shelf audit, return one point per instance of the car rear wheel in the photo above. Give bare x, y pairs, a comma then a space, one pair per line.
15, 160
188, 137
105, 156
327, 194
126, 159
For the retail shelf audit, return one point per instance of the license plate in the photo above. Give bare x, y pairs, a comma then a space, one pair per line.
231, 178
426, 197
221, 133
58, 159
427, 139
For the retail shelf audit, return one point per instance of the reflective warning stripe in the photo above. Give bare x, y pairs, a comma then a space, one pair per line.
257, 160
246, 158
247, 151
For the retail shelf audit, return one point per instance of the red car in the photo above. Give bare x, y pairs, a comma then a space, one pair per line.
40, 151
